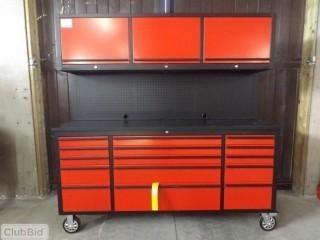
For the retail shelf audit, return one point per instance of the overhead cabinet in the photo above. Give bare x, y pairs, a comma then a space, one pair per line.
237, 39
94, 40
166, 39
203, 42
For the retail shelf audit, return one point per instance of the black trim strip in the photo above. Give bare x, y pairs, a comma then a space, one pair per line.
167, 157
249, 185
249, 166
164, 147
85, 168
111, 163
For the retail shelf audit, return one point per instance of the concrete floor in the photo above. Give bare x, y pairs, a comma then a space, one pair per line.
299, 219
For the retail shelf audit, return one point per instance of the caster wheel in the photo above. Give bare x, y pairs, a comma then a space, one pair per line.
72, 228
268, 224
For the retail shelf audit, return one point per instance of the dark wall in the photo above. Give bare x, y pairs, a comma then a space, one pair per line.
267, 95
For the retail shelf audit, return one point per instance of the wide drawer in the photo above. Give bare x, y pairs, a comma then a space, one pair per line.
85, 177
86, 200
248, 175
167, 141
166, 176
172, 162
247, 198
170, 199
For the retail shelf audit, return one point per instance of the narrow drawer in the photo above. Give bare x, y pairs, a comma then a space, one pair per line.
166, 176
84, 163
84, 153
78, 142
250, 140
248, 175
92, 177
250, 161
175, 141
247, 198
86, 200
170, 199
245, 152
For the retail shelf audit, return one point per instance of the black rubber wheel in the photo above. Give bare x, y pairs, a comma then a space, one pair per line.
268, 226
75, 227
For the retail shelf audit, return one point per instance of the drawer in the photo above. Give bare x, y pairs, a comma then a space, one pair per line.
83, 153
247, 198
80, 142
86, 200
166, 176
173, 162
250, 140
84, 163
85, 177
170, 199
247, 152
166, 153
249, 175
175, 141
249, 161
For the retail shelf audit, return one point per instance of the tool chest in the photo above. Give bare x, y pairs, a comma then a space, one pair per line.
166, 171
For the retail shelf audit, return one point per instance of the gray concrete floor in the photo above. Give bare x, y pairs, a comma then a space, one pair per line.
299, 219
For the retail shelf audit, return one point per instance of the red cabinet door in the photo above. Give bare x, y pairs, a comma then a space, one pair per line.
166, 39
237, 39
94, 40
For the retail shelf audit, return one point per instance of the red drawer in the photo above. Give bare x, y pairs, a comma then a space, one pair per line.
170, 199
166, 176
249, 161
249, 175
246, 152
87, 163
246, 198
94, 40
166, 39
84, 153
86, 200
79, 142
176, 141
136, 153
250, 140
237, 39
85, 177
174, 162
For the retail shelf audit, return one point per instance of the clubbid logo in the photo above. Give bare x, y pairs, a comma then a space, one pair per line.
24, 231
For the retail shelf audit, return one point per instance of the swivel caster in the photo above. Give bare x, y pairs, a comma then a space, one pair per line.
268, 221
71, 224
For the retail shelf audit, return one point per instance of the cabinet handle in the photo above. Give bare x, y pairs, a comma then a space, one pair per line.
154, 196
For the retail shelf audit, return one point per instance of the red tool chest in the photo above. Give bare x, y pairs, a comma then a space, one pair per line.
218, 172
166, 39
94, 40
237, 39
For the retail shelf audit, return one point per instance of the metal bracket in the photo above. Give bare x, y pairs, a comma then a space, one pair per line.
70, 220
312, 60
41, 17
33, 62
267, 216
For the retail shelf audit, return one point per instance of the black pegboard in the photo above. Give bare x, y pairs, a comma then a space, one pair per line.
163, 96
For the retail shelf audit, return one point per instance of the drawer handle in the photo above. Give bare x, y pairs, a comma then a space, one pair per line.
154, 196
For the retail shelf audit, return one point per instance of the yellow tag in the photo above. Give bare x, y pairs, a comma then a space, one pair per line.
154, 196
